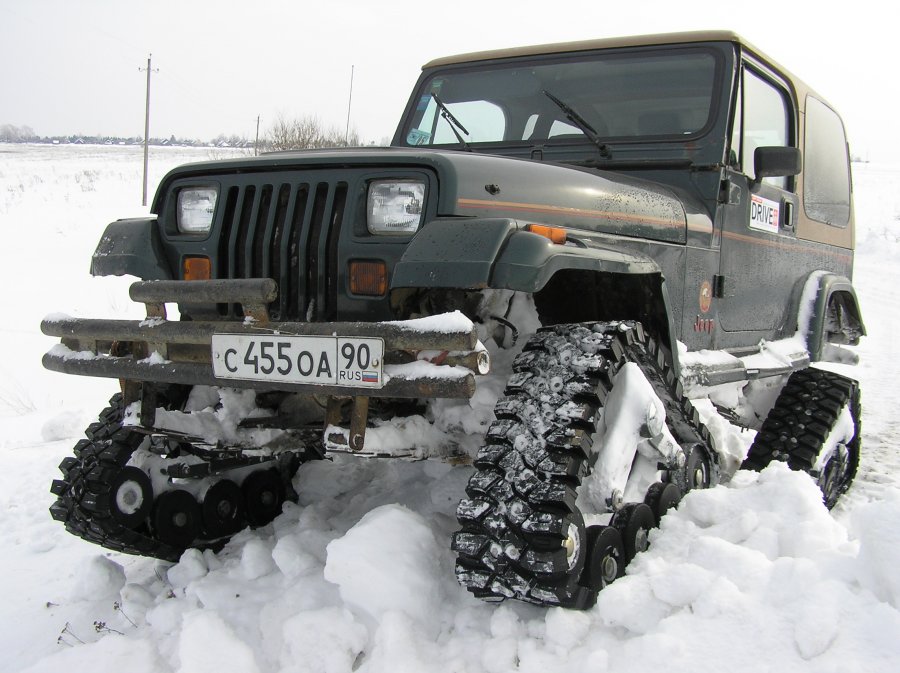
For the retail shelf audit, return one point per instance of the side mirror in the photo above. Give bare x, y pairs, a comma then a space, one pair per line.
776, 162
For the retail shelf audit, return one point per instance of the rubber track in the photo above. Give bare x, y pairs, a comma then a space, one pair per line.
83, 494
804, 414
521, 498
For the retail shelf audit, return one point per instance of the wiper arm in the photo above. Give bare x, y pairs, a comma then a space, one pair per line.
452, 121
581, 123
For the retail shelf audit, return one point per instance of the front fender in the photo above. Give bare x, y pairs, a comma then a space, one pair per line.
131, 247
453, 253
528, 261
500, 253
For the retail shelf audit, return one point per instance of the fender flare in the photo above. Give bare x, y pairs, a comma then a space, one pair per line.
829, 289
499, 253
131, 247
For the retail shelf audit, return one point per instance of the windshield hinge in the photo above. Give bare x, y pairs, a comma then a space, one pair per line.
729, 193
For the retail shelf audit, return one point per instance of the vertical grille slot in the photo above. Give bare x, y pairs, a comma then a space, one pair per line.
260, 234
224, 270
315, 259
243, 232
225, 240
292, 289
274, 252
329, 309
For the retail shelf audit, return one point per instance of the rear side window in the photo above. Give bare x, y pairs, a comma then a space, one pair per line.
826, 166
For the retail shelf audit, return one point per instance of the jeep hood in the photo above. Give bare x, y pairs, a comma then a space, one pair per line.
562, 195
477, 185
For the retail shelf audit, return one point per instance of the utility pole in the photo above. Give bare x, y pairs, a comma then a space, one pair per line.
147, 127
349, 101
256, 144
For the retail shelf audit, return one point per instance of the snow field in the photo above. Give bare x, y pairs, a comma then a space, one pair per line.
358, 575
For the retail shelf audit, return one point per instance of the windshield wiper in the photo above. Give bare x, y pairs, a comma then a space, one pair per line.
452, 121
581, 123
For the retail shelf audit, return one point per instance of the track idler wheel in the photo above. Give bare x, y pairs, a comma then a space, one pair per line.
606, 557
835, 476
223, 509
697, 469
634, 522
263, 496
130, 497
661, 498
177, 518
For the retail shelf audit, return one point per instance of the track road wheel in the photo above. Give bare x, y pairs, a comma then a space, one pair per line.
223, 509
815, 426
263, 496
661, 498
131, 497
634, 522
606, 557
177, 518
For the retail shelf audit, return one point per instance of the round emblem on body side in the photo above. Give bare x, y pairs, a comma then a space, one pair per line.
705, 296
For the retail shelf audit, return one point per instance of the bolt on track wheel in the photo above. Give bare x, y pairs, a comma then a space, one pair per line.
606, 557
223, 508
263, 496
130, 497
634, 522
177, 518
661, 498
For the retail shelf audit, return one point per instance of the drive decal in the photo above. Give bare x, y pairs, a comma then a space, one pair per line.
764, 214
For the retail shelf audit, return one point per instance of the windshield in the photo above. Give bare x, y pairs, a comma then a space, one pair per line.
621, 96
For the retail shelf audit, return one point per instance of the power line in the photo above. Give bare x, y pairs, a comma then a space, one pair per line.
349, 101
148, 70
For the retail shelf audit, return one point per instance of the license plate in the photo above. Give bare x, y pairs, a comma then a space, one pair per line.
335, 361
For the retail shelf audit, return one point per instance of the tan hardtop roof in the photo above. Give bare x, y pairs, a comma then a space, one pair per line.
629, 41
587, 45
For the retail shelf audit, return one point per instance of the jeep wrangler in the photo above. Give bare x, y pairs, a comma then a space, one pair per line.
618, 227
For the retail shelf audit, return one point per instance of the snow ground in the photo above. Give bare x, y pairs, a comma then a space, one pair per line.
751, 576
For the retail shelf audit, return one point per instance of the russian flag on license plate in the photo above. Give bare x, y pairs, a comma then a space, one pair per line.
370, 377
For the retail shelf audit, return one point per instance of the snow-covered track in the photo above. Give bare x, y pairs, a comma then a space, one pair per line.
105, 500
522, 534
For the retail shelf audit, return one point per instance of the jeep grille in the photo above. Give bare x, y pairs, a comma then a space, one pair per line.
285, 230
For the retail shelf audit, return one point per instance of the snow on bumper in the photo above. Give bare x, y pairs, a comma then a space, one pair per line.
434, 357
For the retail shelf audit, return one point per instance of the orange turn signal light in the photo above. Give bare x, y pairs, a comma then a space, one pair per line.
368, 278
196, 268
555, 234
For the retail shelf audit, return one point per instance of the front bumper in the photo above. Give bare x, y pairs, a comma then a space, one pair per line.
444, 349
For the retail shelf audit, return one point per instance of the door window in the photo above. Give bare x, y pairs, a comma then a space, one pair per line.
766, 121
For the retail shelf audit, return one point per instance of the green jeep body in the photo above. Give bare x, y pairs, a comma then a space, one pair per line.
703, 192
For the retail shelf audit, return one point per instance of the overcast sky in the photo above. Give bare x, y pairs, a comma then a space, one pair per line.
70, 66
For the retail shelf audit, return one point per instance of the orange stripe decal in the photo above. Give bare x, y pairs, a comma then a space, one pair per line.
572, 212
799, 247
